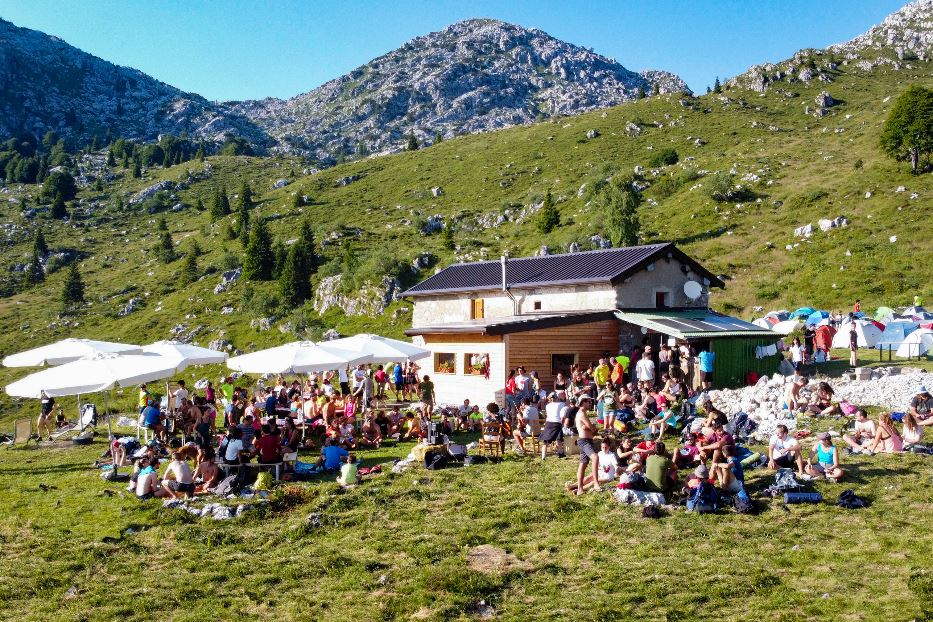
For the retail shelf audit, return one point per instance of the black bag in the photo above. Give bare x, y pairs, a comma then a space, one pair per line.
435, 461
651, 511
743, 504
850, 501
231, 484
469, 460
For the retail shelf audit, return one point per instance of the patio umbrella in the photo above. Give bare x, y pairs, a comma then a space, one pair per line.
378, 349
67, 350
916, 343
867, 332
185, 354
91, 375
818, 318
802, 312
884, 314
787, 326
298, 357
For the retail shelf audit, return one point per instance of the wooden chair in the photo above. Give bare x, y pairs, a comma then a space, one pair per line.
532, 444
490, 440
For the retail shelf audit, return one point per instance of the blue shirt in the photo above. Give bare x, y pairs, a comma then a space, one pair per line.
333, 456
735, 465
270, 405
706, 361
397, 374
151, 415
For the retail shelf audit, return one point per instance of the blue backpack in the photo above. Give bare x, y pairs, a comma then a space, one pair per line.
704, 499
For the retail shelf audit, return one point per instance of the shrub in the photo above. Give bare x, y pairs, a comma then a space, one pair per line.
664, 157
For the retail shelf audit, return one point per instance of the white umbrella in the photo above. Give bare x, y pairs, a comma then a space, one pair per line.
298, 357
787, 326
91, 375
378, 349
67, 350
867, 333
916, 343
185, 354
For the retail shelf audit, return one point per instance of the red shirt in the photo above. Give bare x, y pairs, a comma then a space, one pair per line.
268, 447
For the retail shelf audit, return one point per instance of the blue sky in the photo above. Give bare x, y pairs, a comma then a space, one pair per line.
248, 49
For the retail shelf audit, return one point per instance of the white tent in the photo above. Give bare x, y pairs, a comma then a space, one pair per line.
895, 331
67, 350
91, 375
916, 343
762, 322
378, 349
185, 354
787, 326
298, 357
868, 335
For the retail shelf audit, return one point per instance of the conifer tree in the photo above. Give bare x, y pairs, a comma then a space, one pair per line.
412, 142
39, 245
717, 86
166, 249
111, 161
58, 210
162, 225
294, 282
189, 269
34, 273
259, 261
220, 205
279, 254
137, 170
73, 288
549, 216
448, 237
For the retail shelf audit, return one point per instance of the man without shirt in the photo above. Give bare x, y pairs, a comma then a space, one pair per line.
862, 434
178, 478
586, 431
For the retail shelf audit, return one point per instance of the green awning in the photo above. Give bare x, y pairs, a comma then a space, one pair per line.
692, 324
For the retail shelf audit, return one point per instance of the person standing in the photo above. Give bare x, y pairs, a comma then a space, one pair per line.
644, 369
809, 334
553, 431
586, 431
853, 341
46, 406
707, 360
857, 307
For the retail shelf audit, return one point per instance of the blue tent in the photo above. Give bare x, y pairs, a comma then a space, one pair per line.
802, 312
816, 317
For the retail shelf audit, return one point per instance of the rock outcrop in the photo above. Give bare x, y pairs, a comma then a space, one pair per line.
369, 299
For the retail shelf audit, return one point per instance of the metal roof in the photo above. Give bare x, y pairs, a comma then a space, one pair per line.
514, 324
599, 266
694, 324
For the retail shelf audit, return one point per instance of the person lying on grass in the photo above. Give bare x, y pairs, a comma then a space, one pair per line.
784, 451
206, 474
607, 472
178, 478
586, 431
371, 435
827, 459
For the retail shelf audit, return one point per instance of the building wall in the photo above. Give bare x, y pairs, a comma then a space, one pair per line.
638, 292
533, 349
453, 388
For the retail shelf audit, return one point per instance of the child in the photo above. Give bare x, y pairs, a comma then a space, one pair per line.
347, 434
348, 472
663, 421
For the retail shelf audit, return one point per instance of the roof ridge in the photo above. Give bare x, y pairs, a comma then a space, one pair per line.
534, 257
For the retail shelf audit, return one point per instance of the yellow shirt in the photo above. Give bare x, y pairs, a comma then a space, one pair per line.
143, 398
601, 375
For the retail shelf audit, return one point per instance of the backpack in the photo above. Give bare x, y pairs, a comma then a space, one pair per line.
743, 503
850, 501
231, 484
704, 499
435, 460
263, 481
651, 511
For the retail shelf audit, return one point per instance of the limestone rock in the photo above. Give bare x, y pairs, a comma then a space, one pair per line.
369, 299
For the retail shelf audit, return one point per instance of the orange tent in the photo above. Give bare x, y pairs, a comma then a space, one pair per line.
824, 337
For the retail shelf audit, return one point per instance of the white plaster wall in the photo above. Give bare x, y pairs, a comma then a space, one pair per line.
454, 388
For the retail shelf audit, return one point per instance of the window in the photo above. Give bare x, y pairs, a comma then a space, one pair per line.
475, 363
476, 309
537, 305
561, 363
444, 362
661, 300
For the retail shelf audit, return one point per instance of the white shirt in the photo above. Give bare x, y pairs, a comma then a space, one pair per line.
530, 413
865, 429
796, 353
644, 369
552, 412
180, 394
781, 448
234, 447
358, 377
342, 374
520, 381
608, 463
328, 388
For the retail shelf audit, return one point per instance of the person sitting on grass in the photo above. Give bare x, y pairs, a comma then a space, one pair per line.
711, 448
396, 421
821, 405
147, 482
236, 452
371, 435
662, 422
645, 448
887, 440
608, 468
347, 434
332, 456
178, 478
827, 459
625, 450
687, 454
863, 433
784, 451
411, 428
660, 472
349, 475
206, 474
728, 471
463, 415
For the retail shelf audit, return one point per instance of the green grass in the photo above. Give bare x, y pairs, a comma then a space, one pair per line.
398, 547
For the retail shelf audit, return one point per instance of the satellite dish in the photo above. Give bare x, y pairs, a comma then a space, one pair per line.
693, 290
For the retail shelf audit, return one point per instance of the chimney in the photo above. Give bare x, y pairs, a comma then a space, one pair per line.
505, 277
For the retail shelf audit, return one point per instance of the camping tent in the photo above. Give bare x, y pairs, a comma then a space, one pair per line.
378, 349
298, 357
66, 351
91, 375
763, 322
777, 316
916, 343
818, 318
802, 313
868, 335
895, 331
884, 314
787, 326
824, 337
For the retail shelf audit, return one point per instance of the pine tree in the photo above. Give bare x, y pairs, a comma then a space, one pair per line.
118, 205
438, 137
59, 210
189, 269
412, 142
111, 161
229, 232
198, 204
348, 260
246, 196
165, 249
294, 282
306, 240
220, 205
656, 89
137, 170
717, 86
641, 93
549, 216
94, 145
34, 273
73, 289
126, 161
39, 245
259, 261
448, 237
163, 224
279, 254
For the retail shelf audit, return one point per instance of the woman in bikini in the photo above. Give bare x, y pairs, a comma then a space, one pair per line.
886, 440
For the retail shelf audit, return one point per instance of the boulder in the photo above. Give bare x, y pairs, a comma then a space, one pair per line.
151, 191
825, 100
437, 191
279, 183
592, 133
330, 335
221, 345
261, 323
130, 307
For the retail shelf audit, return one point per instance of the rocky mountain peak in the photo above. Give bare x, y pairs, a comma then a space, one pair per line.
908, 33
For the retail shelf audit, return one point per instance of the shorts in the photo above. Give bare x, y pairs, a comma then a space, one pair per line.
344, 388
706, 376
175, 486
553, 431
587, 451
398, 386
786, 461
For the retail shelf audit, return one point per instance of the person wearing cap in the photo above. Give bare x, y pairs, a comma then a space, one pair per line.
827, 459
553, 431
644, 369
586, 431
921, 406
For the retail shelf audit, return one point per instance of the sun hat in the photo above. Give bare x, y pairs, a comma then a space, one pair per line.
922, 389
701, 471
